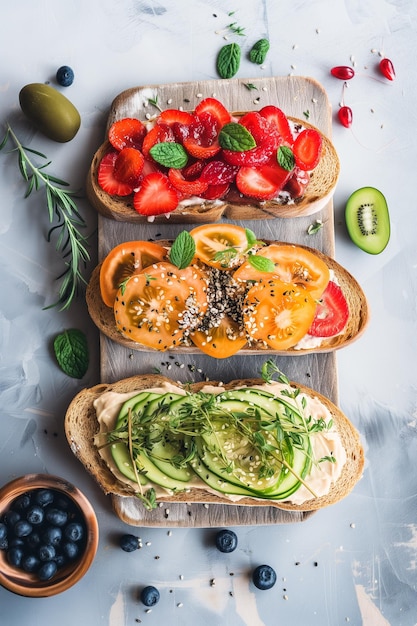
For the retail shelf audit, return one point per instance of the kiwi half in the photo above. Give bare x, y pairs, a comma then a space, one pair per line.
367, 219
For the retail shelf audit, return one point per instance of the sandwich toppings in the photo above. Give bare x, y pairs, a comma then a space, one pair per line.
219, 288
267, 441
208, 155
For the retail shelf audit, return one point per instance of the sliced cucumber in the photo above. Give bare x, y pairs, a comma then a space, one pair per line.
123, 462
162, 455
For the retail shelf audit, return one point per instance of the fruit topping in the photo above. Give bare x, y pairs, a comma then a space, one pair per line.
156, 195
307, 149
128, 132
332, 312
128, 166
107, 179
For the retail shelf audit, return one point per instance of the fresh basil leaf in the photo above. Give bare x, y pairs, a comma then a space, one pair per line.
259, 51
261, 263
71, 352
285, 158
228, 60
169, 154
250, 237
182, 250
235, 137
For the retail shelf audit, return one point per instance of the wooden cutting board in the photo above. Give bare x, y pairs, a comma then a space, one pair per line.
297, 96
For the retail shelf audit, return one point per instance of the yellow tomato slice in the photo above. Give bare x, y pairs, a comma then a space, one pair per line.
153, 308
278, 314
124, 260
292, 264
220, 245
221, 341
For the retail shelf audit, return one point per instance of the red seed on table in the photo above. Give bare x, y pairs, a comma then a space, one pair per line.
343, 72
387, 68
345, 116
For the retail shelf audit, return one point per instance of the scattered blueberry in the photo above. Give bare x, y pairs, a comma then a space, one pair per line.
264, 577
150, 595
129, 543
65, 76
226, 541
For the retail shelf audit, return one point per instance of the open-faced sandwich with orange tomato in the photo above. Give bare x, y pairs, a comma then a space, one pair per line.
219, 290
195, 167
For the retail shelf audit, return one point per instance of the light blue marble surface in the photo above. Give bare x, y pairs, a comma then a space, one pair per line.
365, 547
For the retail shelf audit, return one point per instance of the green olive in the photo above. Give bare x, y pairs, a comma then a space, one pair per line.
50, 112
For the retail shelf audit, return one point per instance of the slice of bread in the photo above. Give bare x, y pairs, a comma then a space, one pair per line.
81, 426
319, 191
103, 316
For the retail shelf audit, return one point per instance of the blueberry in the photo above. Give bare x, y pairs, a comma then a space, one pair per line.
46, 552
150, 595
58, 517
70, 550
129, 543
47, 570
65, 76
74, 531
11, 517
30, 563
33, 540
4, 543
264, 577
3, 531
22, 528
44, 497
15, 556
52, 535
35, 514
22, 502
226, 541
16, 541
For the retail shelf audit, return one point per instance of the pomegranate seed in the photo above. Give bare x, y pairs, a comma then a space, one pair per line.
345, 116
343, 72
387, 68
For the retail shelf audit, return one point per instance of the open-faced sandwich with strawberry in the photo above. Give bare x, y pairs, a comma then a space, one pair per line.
148, 439
219, 290
198, 166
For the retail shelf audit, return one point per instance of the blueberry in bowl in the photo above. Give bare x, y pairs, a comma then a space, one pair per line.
48, 535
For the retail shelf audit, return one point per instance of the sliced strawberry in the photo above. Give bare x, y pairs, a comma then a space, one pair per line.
174, 116
199, 151
205, 128
106, 178
127, 132
332, 312
307, 149
128, 166
216, 192
216, 108
216, 172
188, 187
155, 196
262, 183
193, 170
277, 117
267, 141
158, 134
297, 183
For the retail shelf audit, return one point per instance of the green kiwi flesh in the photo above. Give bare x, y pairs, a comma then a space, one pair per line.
367, 219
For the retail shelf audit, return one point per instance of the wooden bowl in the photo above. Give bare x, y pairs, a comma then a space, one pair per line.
28, 584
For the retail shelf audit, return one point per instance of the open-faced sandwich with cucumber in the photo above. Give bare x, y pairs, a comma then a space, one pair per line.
219, 290
195, 167
248, 442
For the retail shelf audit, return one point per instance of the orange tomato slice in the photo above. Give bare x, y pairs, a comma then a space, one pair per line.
278, 314
221, 341
124, 260
156, 307
220, 245
292, 264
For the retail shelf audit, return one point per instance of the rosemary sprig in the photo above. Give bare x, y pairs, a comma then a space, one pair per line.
70, 242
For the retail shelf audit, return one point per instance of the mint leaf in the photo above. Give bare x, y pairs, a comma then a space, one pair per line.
169, 154
228, 60
285, 158
250, 237
182, 250
259, 51
71, 352
234, 136
261, 263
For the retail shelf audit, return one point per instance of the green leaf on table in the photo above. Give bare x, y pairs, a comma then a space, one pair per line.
259, 51
71, 352
228, 60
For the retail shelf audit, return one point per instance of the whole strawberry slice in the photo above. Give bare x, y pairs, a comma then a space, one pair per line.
215, 108
128, 166
127, 132
156, 195
307, 149
332, 312
277, 118
187, 187
106, 178
262, 183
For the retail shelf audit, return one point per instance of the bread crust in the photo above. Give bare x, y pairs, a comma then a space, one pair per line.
103, 316
81, 426
319, 191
